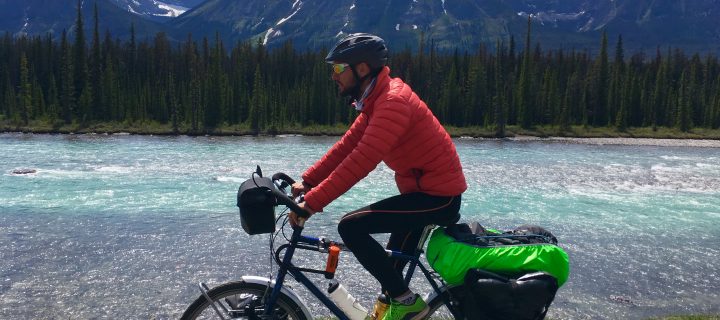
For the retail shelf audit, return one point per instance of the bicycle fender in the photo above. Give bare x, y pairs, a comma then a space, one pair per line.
285, 290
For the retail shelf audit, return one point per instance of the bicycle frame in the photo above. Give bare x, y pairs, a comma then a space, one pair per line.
297, 240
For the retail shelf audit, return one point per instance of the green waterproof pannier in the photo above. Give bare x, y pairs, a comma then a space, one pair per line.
454, 250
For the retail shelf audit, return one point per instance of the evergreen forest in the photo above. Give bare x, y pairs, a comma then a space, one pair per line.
199, 85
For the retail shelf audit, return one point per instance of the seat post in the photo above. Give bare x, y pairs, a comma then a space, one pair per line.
418, 251
423, 237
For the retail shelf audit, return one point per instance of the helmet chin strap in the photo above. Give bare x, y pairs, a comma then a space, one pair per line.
353, 93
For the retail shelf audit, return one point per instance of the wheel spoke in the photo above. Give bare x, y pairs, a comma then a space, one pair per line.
281, 315
240, 300
237, 302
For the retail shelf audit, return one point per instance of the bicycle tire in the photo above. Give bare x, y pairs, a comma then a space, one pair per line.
249, 296
438, 310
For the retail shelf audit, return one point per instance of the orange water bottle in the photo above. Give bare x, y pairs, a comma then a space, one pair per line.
332, 261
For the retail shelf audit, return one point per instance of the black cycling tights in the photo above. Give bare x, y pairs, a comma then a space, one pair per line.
404, 217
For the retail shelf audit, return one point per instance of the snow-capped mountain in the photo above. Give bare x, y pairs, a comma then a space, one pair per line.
40, 17
464, 24
157, 10
644, 24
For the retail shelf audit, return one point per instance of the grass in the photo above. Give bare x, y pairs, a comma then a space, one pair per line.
154, 128
589, 132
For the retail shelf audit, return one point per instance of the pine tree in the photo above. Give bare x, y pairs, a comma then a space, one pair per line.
616, 82
511, 64
111, 91
448, 100
646, 100
714, 114
173, 101
473, 91
710, 70
554, 99
569, 99
79, 60
53, 107
584, 105
216, 94
524, 86
695, 89
601, 83
132, 51
546, 98
67, 81
621, 119
195, 102
715, 122
684, 116
257, 110
25, 90
10, 101
660, 98
39, 107
4, 86
95, 65
498, 99
85, 103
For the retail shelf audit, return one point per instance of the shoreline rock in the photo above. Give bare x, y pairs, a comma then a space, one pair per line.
24, 171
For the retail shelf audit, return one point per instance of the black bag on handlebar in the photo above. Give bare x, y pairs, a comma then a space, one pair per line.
257, 205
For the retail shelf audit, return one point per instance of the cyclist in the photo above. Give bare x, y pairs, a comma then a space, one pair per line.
396, 127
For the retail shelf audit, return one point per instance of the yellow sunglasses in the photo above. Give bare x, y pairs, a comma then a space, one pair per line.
339, 68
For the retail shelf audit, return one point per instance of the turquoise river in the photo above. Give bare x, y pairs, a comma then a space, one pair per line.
124, 226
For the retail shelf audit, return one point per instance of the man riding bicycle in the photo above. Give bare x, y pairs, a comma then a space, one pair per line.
396, 127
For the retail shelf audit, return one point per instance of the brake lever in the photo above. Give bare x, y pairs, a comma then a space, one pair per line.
281, 185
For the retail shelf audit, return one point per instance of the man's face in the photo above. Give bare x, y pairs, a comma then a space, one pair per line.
343, 77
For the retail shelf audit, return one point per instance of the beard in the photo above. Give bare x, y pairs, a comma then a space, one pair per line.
348, 92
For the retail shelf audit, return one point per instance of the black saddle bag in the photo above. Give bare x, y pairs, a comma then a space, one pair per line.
489, 296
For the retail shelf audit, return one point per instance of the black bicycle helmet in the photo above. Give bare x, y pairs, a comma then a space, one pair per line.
360, 47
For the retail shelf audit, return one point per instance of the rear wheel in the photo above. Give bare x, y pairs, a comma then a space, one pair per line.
241, 300
438, 309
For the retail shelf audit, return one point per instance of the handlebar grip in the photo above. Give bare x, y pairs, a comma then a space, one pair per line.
285, 200
283, 177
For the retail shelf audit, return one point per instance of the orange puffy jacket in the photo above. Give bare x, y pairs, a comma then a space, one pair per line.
397, 127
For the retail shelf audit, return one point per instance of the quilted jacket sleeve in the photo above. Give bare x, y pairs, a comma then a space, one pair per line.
327, 164
388, 123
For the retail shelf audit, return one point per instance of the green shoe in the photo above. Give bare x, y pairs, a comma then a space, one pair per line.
399, 311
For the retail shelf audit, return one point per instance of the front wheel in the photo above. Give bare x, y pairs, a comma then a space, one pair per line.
241, 300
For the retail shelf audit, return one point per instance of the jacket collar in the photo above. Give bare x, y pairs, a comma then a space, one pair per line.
383, 80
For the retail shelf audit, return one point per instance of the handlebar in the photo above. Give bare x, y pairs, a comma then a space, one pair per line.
322, 243
290, 203
283, 198
283, 177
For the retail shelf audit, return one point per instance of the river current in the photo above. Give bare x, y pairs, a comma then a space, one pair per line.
124, 226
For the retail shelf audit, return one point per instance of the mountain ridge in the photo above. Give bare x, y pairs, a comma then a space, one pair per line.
466, 24
460, 24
